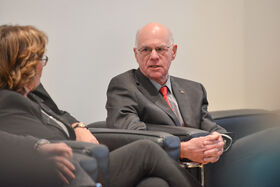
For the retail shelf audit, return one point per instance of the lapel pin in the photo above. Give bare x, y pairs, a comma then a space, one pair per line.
182, 91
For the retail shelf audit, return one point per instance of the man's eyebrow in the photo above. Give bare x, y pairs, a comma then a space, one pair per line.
145, 46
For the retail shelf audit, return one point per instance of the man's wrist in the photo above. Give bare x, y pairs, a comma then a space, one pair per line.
39, 143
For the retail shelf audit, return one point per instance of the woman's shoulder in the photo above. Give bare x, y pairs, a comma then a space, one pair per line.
10, 96
12, 100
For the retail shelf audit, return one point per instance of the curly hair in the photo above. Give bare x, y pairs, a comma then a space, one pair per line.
20, 49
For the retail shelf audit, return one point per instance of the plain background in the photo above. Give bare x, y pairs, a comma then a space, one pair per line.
231, 46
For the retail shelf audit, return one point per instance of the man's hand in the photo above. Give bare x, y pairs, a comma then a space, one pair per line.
60, 153
214, 147
51, 149
203, 149
84, 135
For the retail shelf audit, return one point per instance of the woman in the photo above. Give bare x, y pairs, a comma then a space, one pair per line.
21, 63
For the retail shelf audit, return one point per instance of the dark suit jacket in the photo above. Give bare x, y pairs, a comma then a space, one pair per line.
133, 103
20, 115
21, 165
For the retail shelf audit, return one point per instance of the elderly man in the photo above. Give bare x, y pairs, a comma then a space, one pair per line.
149, 95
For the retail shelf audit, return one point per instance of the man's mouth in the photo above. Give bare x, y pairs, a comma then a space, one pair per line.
154, 66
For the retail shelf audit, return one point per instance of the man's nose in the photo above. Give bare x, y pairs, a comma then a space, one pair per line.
154, 54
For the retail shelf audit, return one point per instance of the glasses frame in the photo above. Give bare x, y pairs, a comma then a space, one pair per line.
146, 51
44, 59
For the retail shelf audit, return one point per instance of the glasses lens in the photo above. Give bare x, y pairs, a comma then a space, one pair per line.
45, 59
147, 50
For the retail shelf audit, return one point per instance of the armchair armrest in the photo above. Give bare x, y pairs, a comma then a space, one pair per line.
187, 133
184, 133
115, 138
98, 170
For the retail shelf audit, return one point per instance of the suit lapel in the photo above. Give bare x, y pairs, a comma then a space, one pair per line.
181, 98
47, 110
45, 98
147, 88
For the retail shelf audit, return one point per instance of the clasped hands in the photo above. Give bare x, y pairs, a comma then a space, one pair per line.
204, 150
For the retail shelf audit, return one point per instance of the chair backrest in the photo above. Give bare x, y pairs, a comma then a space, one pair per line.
97, 124
243, 122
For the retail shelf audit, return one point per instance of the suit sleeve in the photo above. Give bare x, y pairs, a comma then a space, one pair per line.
21, 165
207, 123
23, 142
122, 107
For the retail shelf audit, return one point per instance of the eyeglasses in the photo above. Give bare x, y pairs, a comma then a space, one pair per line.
44, 60
148, 50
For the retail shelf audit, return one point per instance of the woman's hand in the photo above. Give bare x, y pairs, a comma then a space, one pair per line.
84, 135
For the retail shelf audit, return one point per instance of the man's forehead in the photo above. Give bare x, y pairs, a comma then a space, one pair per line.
153, 43
152, 39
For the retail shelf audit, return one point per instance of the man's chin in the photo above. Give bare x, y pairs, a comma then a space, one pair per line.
158, 78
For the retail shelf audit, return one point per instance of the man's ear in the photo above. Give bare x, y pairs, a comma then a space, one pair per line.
174, 51
135, 53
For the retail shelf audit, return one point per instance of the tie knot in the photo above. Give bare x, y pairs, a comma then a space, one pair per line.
163, 91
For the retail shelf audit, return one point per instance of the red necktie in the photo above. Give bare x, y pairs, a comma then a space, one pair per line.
163, 91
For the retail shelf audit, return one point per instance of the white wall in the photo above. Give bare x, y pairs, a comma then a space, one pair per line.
262, 53
90, 41
215, 54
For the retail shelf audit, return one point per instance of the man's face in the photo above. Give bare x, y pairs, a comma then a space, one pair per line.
154, 54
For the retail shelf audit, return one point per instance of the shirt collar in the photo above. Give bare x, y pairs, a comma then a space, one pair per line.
158, 86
